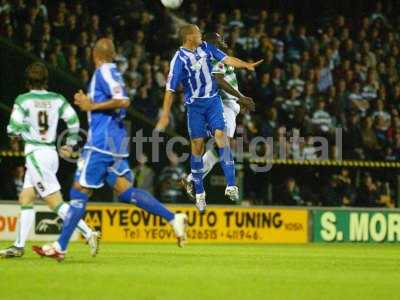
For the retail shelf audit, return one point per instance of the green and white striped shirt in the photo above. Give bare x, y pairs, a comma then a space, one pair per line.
229, 76
35, 117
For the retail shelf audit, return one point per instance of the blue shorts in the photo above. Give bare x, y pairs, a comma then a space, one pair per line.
95, 168
203, 115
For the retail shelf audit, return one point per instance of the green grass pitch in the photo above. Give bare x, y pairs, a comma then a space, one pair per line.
223, 272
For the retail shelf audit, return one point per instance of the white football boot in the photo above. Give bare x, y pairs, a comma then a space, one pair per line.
180, 224
94, 243
232, 192
201, 202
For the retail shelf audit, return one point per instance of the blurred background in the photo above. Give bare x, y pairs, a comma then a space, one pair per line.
327, 65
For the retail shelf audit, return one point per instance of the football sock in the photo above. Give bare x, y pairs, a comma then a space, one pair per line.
196, 163
227, 164
26, 219
82, 227
146, 201
210, 159
75, 213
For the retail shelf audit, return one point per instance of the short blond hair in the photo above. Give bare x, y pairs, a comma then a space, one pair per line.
186, 30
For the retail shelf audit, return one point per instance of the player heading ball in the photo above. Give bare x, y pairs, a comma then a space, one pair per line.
192, 67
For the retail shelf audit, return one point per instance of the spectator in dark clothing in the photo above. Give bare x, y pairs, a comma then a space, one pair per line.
289, 106
265, 91
330, 193
269, 62
145, 103
278, 83
290, 193
269, 126
301, 42
368, 194
27, 34
346, 189
352, 132
59, 28
369, 139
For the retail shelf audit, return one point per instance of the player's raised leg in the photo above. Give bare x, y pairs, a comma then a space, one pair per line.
227, 164
122, 186
216, 121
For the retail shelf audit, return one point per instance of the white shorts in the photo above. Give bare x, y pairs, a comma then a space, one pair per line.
231, 110
41, 169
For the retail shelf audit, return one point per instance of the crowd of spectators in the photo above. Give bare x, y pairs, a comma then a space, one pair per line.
340, 189
342, 73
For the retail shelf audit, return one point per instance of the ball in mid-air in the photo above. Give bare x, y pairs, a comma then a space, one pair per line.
173, 4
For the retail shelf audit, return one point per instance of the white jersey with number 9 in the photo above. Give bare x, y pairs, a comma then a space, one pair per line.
35, 119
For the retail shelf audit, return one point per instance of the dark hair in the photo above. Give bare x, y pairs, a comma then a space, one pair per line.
36, 76
211, 37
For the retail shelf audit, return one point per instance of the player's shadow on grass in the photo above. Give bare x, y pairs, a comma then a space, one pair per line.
71, 260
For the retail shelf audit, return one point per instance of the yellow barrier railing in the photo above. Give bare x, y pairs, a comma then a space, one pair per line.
317, 162
5, 153
333, 163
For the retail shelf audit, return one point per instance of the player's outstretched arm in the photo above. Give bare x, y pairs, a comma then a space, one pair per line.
230, 60
85, 103
166, 110
246, 102
238, 63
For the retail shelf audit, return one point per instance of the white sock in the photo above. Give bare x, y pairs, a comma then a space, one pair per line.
82, 227
190, 177
210, 159
26, 219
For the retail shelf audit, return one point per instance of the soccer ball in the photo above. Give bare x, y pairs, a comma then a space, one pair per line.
173, 4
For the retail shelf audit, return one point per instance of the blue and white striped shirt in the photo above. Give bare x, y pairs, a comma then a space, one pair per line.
107, 132
193, 69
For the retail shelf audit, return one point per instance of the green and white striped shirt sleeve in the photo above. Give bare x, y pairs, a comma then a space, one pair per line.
17, 124
68, 114
218, 67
